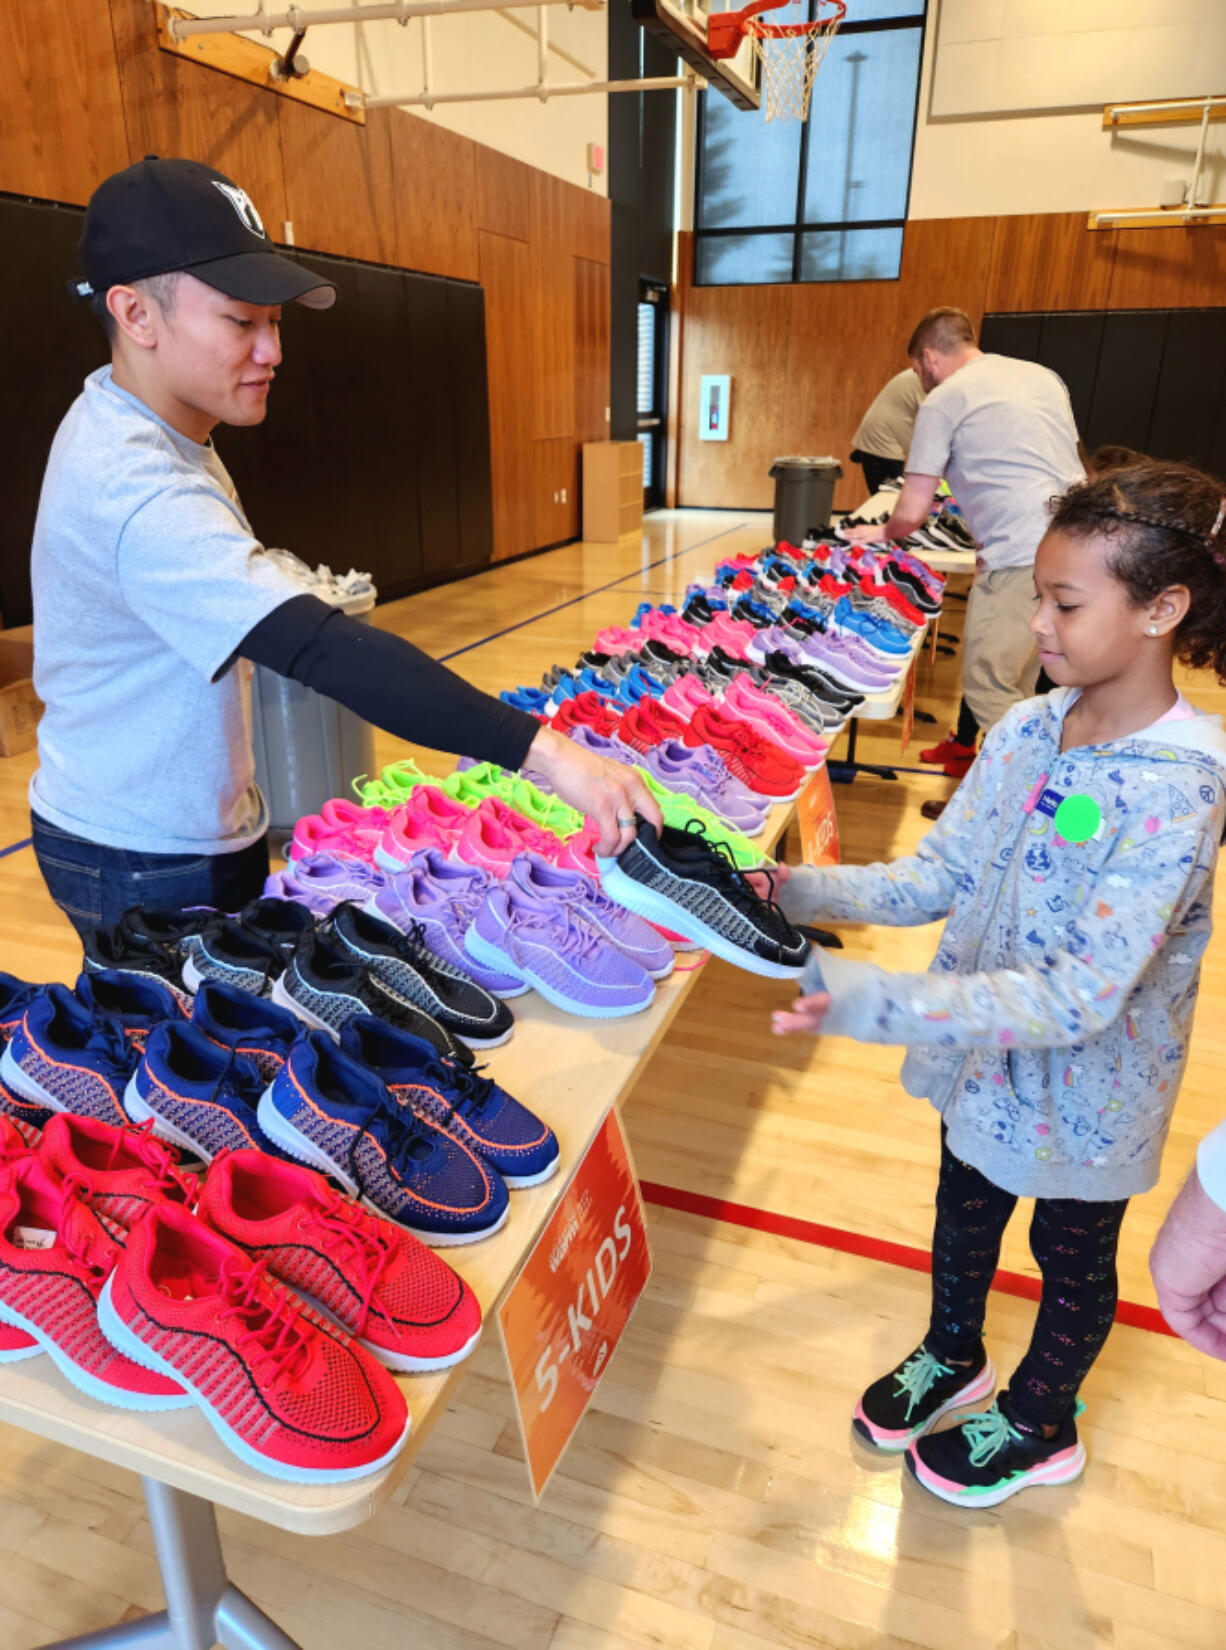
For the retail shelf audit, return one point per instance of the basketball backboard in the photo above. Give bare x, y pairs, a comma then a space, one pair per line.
682, 26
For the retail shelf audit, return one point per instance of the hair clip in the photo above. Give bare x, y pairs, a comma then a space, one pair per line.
1217, 524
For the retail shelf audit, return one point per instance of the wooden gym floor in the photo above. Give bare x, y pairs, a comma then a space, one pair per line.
713, 1498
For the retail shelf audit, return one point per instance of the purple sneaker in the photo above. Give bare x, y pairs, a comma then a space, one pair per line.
633, 937
321, 881
437, 899
604, 744
830, 654
700, 772
549, 945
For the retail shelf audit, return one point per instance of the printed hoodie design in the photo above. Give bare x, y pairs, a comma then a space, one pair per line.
1051, 1030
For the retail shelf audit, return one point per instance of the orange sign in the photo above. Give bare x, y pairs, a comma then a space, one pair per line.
819, 828
908, 708
566, 1311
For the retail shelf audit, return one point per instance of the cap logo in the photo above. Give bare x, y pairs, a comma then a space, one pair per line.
242, 203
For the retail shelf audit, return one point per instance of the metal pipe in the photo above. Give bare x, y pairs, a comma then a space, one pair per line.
1194, 191
427, 56
691, 82
1113, 111
295, 17
1176, 214
542, 45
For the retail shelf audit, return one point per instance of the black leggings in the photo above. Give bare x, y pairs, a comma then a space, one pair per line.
1075, 1244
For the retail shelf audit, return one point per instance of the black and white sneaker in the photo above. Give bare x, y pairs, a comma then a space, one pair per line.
228, 952
146, 959
280, 923
402, 965
683, 881
660, 653
172, 927
698, 610
322, 986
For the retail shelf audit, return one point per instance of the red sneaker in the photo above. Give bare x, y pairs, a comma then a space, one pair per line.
55, 1257
290, 1395
949, 750
896, 599
649, 723
122, 1171
586, 710
391, 1293
749, 756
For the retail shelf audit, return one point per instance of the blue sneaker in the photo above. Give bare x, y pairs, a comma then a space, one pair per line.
644, 608
15, 997
30, 1117
138, 1004
259, 1030
328, 1111
533, 700
64, 1057
876, 632
588, 681
197, 1096
473, 1108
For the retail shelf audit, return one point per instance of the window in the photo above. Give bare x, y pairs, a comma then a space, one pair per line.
823, 199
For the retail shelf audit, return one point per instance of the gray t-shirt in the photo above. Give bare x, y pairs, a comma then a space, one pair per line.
146, 578
885, 429
1002, 433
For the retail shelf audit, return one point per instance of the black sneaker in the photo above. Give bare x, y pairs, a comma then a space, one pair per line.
228, 952
901, 1406
172, 927
913, 588
147, 959
994, 1455
661, 653
323, 987
829, 695
698, 610
403, 966
685, 882
280, 923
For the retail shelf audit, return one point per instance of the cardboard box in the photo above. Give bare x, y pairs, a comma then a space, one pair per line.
20, 706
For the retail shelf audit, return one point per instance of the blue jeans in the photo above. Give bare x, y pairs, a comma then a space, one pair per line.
93, 886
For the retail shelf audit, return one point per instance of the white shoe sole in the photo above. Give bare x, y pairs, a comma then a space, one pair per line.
26, 1086
1049, 1475
84, 1381
489, 955
140, 1111
657, 908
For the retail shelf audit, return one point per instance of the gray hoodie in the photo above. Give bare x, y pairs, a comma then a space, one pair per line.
1051, 1030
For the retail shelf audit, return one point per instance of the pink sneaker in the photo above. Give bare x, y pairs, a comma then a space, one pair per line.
494, 834
347, 839
614, 638
684, 696
733, 635
674, 632
429, 819
743, 698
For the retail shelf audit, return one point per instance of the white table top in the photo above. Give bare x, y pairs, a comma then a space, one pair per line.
941, 561
568, 1069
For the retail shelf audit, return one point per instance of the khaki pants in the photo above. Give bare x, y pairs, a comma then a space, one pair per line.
1000, 663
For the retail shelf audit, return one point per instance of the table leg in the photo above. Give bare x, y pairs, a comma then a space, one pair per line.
203, 1607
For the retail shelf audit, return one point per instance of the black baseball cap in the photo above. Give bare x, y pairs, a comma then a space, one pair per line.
160, 217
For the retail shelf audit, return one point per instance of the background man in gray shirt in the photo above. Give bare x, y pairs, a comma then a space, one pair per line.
883, 437
1002, 432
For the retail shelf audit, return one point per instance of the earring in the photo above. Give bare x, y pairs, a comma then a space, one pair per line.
1153, 629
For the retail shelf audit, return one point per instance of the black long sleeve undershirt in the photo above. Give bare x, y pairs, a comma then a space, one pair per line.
387, 681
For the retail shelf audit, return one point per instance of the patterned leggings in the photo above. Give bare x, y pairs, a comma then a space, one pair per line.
1074, 1243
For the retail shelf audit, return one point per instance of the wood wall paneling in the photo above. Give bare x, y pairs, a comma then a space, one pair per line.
1049, 261
506, 275
338, 182
176, 107
504, 194
552, 311
591, 351
555, 469
944, 261
1169, 268
589, 223
434, 180
61, 115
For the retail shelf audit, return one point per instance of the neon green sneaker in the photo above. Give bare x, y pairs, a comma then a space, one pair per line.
488, 779
678, 809
395, 784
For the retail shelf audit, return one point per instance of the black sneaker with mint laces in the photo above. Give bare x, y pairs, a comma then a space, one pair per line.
989, 1457
903, 1405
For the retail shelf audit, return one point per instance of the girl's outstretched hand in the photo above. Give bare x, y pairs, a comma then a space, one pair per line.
806, 1014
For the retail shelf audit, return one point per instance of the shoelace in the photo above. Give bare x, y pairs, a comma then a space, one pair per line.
988, 1434
161, 1160
370, 1249
108, 1037
730, 879
578, 941
406, 1141
472, 1090
96, 1253
273, 1332
916, 1377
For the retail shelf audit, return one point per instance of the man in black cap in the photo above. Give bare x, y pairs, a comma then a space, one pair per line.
153, 598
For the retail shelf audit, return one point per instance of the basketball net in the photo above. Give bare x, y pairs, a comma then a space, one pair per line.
790, 55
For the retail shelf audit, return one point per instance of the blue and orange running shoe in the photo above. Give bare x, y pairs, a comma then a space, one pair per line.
196, 1096
254, 1027
64, 1057
330, 1112
474, 1108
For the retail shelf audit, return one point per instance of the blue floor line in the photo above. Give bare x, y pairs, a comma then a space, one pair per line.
598, 590
12, 848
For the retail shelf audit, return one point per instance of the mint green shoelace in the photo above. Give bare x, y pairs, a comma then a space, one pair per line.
987, 1435
917, 1376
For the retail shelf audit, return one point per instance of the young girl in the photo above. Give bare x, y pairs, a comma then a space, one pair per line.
1075, 868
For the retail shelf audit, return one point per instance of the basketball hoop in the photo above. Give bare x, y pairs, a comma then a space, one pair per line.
790, 53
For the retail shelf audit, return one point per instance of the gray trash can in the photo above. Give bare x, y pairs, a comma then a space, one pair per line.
804, 495
307, 747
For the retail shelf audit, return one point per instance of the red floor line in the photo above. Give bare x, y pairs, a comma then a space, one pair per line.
1131, 1313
